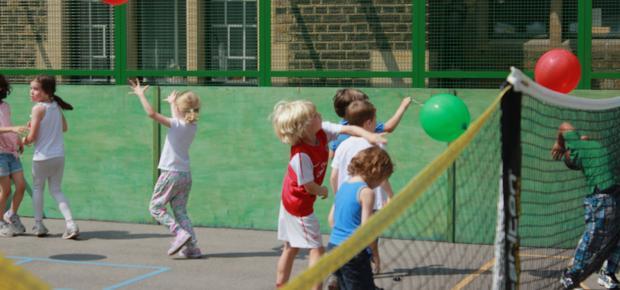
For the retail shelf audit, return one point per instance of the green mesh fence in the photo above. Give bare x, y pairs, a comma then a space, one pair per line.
378, 43
461, 204
605, 34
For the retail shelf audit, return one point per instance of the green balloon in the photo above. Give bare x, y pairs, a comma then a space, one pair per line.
444, 117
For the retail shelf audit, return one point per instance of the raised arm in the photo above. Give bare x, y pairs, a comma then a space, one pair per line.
38, 112
139, 90
559, 148
393, 122
373, 138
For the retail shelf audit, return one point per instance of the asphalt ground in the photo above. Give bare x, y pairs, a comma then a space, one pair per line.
111, 255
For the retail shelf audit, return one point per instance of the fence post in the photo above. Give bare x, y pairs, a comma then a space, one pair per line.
584, 42
418, 42
264, 38
120, 44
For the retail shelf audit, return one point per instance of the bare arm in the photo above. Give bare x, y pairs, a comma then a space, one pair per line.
14, 129
315, 189
330, 217
387, 186
559, 149
65, 127
367, 199
139, 91
373, 138
393, 122
171, 99
38, 112
333, 182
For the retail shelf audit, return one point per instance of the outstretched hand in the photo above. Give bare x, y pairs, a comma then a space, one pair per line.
136, 88
378, 139
19, 129
172, 97
405, 102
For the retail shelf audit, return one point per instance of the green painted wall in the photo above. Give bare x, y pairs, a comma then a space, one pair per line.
237, 162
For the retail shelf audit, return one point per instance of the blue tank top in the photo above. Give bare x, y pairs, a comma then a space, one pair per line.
347, 212
333, 145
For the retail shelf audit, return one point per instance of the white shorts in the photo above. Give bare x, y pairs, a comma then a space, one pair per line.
299, 232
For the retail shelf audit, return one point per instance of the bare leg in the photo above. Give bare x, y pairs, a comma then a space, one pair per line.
20, 187
5, 193
315, 255
285, 264
376, 260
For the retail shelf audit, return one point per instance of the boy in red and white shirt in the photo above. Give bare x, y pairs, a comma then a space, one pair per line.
299, 124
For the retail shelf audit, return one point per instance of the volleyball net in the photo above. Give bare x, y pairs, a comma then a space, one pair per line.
494, 210
16, 278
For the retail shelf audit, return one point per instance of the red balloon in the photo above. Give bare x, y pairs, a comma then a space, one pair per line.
115, 2
559, 70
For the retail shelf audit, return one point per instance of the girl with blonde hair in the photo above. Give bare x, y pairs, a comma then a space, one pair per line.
175, 181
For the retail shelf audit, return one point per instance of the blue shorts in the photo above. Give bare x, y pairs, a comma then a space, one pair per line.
9, 164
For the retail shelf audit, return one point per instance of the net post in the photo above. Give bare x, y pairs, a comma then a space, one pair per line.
507, 265
451, 231
452, 196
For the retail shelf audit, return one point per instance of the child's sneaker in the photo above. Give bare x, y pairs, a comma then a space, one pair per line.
190, 252
39, 229
568, 281
13, 219
608, 280
181, 239
6, 230
72, 232
332, 282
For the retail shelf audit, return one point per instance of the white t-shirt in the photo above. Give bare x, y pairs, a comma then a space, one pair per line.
49, 141
342, 158
175, 155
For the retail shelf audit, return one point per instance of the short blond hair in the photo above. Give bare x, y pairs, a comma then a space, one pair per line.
188, 104
290, 119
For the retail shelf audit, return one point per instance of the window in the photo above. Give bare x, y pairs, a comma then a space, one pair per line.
89, 37
231, 42
161, 34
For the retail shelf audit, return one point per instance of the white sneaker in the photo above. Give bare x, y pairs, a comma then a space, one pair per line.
6, 230
190, 252
182, 238
72, 232
13, 219
608, 280
39, 229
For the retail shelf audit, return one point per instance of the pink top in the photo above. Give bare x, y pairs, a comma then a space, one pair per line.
8, 141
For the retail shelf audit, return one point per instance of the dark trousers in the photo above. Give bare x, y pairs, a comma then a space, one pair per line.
356, 274
599, 242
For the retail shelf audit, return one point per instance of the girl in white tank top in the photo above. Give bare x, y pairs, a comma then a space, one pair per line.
47, 125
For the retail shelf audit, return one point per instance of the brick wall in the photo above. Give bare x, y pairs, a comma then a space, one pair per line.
18, 42
339, 35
